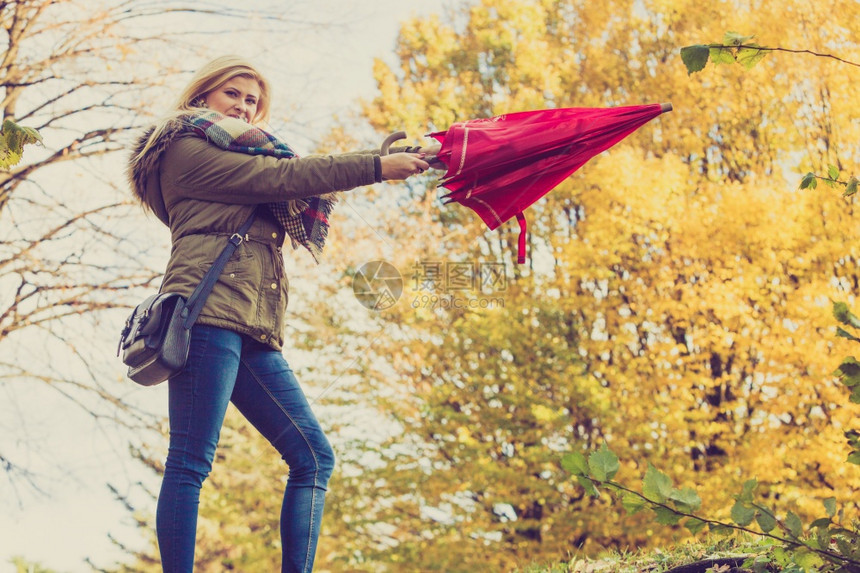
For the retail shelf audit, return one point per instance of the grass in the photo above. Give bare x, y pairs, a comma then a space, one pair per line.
663, 560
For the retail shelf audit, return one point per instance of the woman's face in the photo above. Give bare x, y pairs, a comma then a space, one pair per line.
237, 97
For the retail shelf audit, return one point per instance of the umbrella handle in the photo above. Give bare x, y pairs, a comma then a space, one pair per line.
396, 136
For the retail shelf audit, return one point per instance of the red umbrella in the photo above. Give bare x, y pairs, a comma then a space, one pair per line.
499, 166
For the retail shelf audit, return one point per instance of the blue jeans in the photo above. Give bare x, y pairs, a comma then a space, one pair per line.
223, 367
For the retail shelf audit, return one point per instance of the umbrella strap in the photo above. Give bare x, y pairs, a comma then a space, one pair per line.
521, 247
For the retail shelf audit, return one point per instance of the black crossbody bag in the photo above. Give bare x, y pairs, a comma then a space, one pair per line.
155, 340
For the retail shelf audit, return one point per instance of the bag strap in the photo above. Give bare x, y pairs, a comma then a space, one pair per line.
195, 302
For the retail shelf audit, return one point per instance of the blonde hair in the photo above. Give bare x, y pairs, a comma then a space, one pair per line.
207, 79
215, 74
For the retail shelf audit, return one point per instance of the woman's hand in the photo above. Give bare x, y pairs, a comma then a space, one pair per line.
402, 165
430, 152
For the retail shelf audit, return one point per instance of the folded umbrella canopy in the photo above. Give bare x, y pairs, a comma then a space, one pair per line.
499, 166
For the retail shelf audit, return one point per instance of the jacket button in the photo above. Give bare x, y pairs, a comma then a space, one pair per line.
274, 235
274, 285
232, 275
262, 337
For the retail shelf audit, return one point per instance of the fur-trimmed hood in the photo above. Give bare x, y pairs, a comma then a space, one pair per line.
143, 171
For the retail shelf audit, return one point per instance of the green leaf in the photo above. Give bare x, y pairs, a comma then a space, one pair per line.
843, 314
736, 39
808, 560
851, 187
720, 529
695, 525
845, 547
750, 56
830, 506
721, 55
742, 514
793, 524
575, 463
849, 372
854, 458
833, 172
757, 564
821, 522
780, 555
686, 499
603, 464
656, 485
633, 503
842, 333
746, 495
588, 485
665, 516
695, 57
822, 535
809, 181
814, 542
854, 398
765, 521
13, 138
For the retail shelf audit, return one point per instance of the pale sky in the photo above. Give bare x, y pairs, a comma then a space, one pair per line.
73, 520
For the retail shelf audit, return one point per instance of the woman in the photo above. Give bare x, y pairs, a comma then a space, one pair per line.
198, 173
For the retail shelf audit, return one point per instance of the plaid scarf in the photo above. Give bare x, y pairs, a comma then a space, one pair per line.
304, 220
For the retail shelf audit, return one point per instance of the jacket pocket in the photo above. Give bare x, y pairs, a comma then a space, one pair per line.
239, 263
234, 296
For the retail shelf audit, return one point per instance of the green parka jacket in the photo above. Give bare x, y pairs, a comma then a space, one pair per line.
204, 194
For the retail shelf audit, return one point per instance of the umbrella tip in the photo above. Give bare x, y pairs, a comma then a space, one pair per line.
664, 107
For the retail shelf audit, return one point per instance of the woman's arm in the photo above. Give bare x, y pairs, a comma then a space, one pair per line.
196, 169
